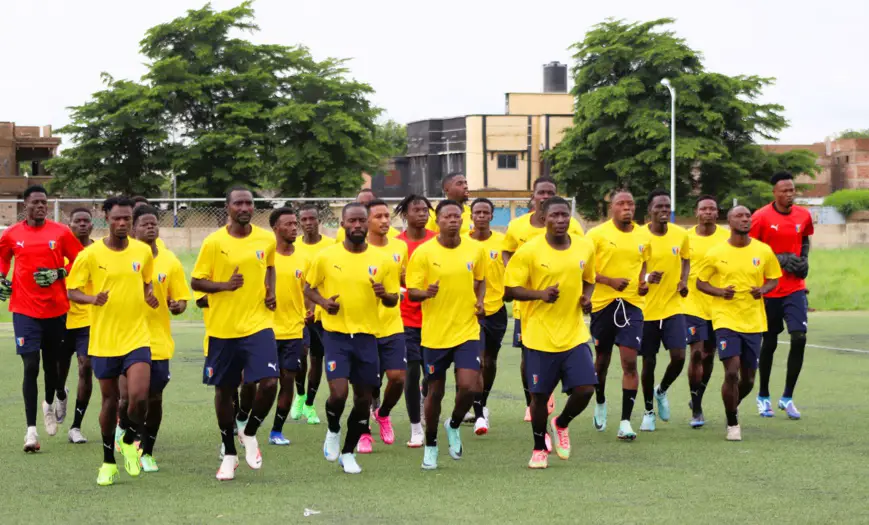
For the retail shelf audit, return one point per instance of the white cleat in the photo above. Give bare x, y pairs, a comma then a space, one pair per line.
469, 417
227, 468
31, 440
417, 436
348, 462
60, 407
75, 436
648, 424
481, 426
734, 433
49, 418
332, 446
251, 451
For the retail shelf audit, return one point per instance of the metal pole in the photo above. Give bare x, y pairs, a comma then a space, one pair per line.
56, 211
672, 90
174, 200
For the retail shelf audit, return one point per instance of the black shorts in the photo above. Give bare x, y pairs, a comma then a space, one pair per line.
413, 342
75, 341
492, 330
738, 344
32, 334
698, 329
620, 323
670, 332
315, 339
115, 366
791, 311
290, 354
254, 357
159, 375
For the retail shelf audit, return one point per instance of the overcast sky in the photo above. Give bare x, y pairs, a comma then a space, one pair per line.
452, 57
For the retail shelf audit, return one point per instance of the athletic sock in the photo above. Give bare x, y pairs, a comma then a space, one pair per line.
228, 440
539, 440
300, 385
61, 395
650, 405
563, 420
599, 395
242, 416
795, 362
252, 426
431, 437
629, 397
148, 441
109, 448
732, 420
357, 424
81, 407
454, 423
280, 418
696, 400
129, 436
333, 419
312, 394
478, 406
484, 397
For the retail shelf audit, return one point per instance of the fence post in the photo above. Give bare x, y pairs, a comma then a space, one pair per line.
56, 210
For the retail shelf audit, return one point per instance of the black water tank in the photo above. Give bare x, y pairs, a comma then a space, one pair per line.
555, 77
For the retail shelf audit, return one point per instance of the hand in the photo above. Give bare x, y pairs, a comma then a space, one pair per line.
643, 289
271, 300
728, 293
432, 289
5, 290
756, 292
202, 302
101, 298
45, 277
682, 288
236, 280
800, 267
619, 284
549, 294
174, 306
379, 289
152, 301
309, 317
332, 305
479, 310
655, 277
585, 304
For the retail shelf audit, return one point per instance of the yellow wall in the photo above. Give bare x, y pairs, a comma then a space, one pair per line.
540, 103
474, 152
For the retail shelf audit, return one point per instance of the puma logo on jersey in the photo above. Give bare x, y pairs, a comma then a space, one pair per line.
773, 227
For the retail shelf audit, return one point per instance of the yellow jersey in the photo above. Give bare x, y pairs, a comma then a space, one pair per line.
743, 268
449, 318
467, 221
79, 315
121, 325
668, 252
206, 312
169, 283
390, 318
341, 234
619, 255
337, 271
698, 303
558, 326
242, 312
494, 299
310, 251
290, 312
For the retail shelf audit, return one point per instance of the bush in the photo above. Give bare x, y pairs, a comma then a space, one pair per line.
847, 202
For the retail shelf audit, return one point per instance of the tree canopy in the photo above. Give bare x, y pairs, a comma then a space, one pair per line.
621, 130
854, 134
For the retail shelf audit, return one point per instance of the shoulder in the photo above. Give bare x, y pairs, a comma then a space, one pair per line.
518, 222
581, 242
599, 230
763, 211
261, 234
15, 228
803, 213
215, 237
497, 236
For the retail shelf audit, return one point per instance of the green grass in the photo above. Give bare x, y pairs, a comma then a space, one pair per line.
787, 472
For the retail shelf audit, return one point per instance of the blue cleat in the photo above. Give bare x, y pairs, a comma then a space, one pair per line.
599, 419
787, 404
697, 420
430, 458
663, 403
277, 438
455, 440
764, 407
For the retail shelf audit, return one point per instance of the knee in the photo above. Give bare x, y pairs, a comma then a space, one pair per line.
490, 362
84, 367
268, 385
630, 367
731, 376
396, 377
31, 365
649, 362
677, 357
583, 392
798, 339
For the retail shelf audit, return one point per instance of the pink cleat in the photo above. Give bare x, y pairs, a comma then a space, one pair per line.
387, 435
365, 445
562, 446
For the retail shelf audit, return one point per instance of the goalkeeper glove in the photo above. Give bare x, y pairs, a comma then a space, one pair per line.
5, 289
45, 277
800, 267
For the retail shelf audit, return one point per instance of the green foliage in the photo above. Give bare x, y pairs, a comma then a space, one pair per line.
395, 135
854, 134
621, 134
848, 201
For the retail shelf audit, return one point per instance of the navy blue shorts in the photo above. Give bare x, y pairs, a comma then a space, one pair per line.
113, 367
670, 332
75, 341
392, 352
492, 330
159, 375
574, 367
736, 344
32, 334
412, 340
352, 357
314, 342
791, 310
255, 355
438, 360
517, 333
306, 336
290, 353
698, 329
615, 325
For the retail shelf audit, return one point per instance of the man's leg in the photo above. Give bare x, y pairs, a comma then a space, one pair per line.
64, 363
338, 391
796, 312
30, 392
730, 390
315, 372
630, 383
699, 371
109, 417
154, 417
138, 385
433, 400
83, 393
650, 361
282, 410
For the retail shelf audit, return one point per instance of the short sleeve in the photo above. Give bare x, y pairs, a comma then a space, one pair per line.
391, 281
204, 267
270, 253
71, 246
80, 273
432, 223
810, 225
480, 263
518, 270
5, 253
416, 270
772, 269
589, 274
510, 242
575, 228
178, 290
708, 268
316, 275
685, 251
147, 266
403, 250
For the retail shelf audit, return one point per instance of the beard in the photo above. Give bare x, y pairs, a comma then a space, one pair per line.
357, 237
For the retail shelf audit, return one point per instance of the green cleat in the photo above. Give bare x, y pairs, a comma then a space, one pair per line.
430, 458
119, 435
107, 475
149, 464
297, 408
310, 414
131, 459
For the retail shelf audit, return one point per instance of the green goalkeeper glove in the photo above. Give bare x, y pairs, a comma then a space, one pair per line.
5, 289
45, 277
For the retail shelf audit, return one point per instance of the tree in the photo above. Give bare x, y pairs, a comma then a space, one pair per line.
120, 144
854, 134
621, 134
395, 135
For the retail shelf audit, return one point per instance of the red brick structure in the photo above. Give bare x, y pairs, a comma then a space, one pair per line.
32, 145
844, 165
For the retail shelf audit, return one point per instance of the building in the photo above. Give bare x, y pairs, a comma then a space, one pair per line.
23, 150
844, 165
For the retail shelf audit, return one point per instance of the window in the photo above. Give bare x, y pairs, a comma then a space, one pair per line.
508, 161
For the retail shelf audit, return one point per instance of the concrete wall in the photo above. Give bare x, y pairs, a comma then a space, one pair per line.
539, 103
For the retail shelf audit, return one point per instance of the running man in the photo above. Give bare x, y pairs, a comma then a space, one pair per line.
365, 196
554, 275
698, 311
351, 281
291, 267
75, 341
621, 251
414, 210
38, 302
236, 268
786, 229
455, 187
664, 320
391, 349
119, 269
313, 242
170, 289
494, 325
521, 230
447, 275
744, 269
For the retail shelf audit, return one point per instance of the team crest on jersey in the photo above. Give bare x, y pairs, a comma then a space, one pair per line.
535, 378
470, 266
137, 266
798, 227
20, 341
755, 261
675, 250
260, 254
396, 257
331, 365
493, 254
161, 278
723, 345
298, 274
642, 248
582, 265
52, 244
431, 369
372, 271
693, 330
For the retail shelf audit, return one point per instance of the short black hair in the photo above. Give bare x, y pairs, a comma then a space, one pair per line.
147, 209
366, 190
444, 203
448, 177
116, 200
705, 198
278, 213
616, 191
551, 201
543, 179
308, 207
376, 202
237, 188
353, 204
780, 176
80, 210
36, 188
139, 199
657, 192
402, 207
483, 200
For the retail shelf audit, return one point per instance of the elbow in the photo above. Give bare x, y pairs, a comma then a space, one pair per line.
508, 294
